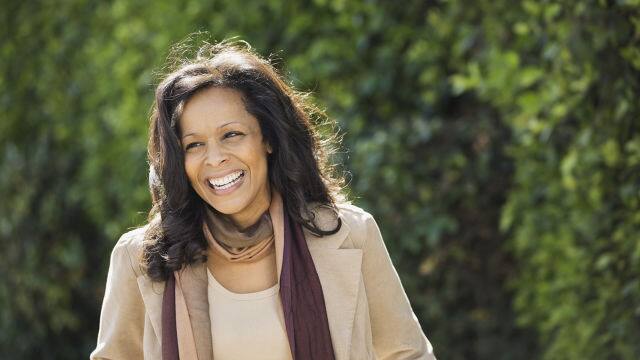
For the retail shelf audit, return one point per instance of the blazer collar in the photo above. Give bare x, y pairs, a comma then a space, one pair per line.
339, 271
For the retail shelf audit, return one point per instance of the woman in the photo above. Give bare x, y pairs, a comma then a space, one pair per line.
251, 251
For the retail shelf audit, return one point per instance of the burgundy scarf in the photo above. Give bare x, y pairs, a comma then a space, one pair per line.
303, 305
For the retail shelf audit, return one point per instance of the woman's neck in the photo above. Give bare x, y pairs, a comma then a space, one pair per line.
246, 219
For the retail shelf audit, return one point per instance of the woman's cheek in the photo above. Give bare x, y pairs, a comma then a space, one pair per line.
190, 168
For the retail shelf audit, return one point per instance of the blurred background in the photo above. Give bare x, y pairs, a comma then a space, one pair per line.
496, 143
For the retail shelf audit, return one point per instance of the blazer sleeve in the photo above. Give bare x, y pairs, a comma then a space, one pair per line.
122, 317
395, 328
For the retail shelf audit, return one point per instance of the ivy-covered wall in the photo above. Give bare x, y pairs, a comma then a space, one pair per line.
497, 144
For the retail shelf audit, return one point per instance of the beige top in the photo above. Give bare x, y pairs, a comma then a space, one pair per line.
248, 325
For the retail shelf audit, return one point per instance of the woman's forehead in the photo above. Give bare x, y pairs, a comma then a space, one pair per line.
215, 108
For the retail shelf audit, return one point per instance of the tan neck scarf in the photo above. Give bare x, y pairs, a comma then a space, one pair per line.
248, 245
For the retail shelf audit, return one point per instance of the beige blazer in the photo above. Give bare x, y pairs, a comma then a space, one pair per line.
368, 311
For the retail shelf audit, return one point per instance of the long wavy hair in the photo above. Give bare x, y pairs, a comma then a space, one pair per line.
298, 168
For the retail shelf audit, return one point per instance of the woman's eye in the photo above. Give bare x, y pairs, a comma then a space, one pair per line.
231, 134
192, 145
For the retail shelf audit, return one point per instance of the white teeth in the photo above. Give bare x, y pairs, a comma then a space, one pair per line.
226, 181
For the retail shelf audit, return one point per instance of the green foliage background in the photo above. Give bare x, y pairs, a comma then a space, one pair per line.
496, 142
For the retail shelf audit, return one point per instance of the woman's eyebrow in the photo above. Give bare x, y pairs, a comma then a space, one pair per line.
219, 127
227, 123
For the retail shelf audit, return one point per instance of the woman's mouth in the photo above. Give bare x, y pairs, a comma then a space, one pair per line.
226, 184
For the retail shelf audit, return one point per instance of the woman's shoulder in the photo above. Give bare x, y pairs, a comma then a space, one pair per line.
358, 220
353, 214
346, 211
353, 210
130, 245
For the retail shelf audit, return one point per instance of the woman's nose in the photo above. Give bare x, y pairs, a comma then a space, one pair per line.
215, 155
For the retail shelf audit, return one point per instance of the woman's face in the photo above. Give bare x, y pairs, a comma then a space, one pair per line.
225, 155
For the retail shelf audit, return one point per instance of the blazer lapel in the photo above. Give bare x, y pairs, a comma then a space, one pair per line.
194, 289
194, 286
152, 297
339, 271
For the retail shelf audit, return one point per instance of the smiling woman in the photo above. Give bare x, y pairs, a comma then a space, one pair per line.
251, 251
226, 161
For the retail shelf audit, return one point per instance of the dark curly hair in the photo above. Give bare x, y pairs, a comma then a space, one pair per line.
298, 167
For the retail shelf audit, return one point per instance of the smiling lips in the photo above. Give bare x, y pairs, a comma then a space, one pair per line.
225, 182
